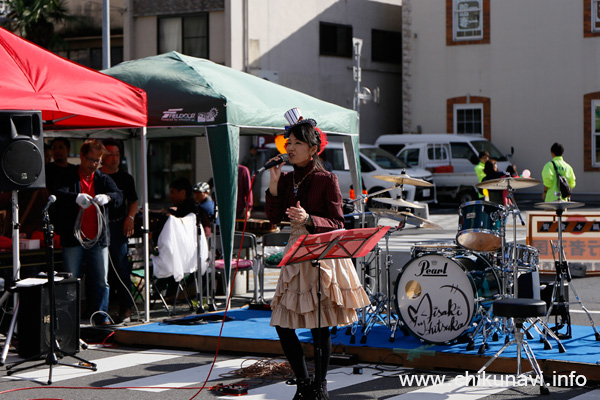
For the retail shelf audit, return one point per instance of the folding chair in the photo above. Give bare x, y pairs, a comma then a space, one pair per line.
249, 259
273, 245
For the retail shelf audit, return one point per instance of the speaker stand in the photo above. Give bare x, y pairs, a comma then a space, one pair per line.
51, 357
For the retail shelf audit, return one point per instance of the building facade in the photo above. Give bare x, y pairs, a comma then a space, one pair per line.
522, 74
303, 45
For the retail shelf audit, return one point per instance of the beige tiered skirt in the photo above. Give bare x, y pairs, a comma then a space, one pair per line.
295, 303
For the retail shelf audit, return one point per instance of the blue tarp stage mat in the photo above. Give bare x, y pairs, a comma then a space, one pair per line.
245, 323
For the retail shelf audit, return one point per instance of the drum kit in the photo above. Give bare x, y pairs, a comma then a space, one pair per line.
444, 294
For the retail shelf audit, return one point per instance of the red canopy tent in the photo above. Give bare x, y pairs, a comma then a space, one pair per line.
70, 97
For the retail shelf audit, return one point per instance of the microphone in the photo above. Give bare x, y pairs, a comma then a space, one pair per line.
51, 200
282, 158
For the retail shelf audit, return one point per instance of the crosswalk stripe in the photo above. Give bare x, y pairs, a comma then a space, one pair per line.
451, 390
182, 378
336, 379
107, 364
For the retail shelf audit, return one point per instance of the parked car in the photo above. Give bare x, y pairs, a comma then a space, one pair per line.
373, 161
451, 158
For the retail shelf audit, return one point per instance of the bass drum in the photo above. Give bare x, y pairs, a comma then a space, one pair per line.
437, 296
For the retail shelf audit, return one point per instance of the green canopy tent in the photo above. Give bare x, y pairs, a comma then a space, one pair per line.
197, 97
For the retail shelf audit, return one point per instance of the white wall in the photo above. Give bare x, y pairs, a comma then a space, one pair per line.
535, 70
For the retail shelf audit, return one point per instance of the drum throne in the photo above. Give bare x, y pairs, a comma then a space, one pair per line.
519, 309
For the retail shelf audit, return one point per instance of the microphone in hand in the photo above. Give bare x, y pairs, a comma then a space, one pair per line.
282, 158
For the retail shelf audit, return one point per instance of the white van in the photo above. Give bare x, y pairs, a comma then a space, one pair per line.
373, 161
450, 157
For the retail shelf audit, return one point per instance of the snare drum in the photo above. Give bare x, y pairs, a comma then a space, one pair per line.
479, 226
527, 257
447, 249
437, 296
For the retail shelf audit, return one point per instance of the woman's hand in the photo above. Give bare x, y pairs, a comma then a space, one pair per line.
297, 214
275, 174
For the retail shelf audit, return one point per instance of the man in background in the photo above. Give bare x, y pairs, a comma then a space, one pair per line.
549, 177
121, 227
83, 236
484, 156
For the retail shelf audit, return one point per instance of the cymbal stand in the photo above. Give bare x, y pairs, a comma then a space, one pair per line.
563, 273
52, 355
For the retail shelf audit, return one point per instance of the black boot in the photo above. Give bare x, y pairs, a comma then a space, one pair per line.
305, 389
321, 392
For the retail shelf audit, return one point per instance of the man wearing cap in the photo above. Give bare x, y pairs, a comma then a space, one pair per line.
202, 198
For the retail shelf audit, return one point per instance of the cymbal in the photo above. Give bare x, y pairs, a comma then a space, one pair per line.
403, 179
387, 213
505, 183
559, 205
418, 221
410, 218
397, 202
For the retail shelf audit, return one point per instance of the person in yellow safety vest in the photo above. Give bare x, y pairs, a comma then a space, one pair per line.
483, 157
551, 189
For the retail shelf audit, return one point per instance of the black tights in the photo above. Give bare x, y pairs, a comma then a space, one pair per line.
293, 351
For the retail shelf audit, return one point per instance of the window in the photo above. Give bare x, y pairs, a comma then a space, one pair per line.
464, 151
467, 22
595, 137
591, 129
335, 40
187, 35
386, 46
469, 114
410, 157
591, 18
337, 159
595, 15
468, 118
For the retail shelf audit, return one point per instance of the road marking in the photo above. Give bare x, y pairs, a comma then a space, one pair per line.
451, 390
107, 364
182, 378
338, 378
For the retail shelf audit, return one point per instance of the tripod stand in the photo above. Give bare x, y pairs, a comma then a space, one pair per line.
52, 355
563, 274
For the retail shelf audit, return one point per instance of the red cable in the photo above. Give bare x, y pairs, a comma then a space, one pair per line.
230, 293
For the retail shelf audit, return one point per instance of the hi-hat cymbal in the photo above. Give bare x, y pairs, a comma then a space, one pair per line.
505, 183
397, 202
559, 205
410, 218
387, 213
403, 179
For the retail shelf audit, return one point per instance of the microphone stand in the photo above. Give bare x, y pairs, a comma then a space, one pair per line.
54, 352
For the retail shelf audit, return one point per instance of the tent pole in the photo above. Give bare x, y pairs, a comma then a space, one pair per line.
16, 251
146, 221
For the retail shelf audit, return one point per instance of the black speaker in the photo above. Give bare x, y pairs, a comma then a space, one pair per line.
21, 150
33, 329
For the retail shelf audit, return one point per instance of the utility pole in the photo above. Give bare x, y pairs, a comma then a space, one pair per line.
105, 34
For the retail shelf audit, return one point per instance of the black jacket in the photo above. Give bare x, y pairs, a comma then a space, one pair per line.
66, 209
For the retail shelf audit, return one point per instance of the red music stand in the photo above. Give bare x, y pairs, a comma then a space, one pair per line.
353, 243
